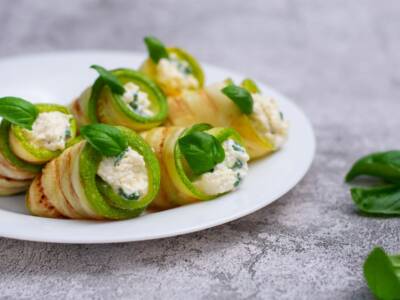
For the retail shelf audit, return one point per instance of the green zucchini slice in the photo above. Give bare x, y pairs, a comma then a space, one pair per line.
212, 106
20, 159
71, 185
188, 66
177, 183
23, 147
99, 104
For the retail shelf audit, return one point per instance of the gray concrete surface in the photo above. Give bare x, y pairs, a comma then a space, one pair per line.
339, 60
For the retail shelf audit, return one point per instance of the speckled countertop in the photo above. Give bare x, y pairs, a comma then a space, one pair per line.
339, 60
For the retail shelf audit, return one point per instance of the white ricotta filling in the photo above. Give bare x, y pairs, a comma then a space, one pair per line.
126, 174
228, 174
50, 130
269, 120
137, 100
175, 73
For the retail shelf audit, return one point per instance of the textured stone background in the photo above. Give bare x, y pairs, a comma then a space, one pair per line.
340, 60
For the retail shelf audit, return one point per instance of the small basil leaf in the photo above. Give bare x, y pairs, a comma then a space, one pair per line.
382, 271
385, 165
109, 79
106, 139
198, 127
18, 111
202, 151
383, 200
251, 86
240, 96
155, 48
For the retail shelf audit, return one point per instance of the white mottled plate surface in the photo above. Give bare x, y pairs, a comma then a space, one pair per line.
59, 77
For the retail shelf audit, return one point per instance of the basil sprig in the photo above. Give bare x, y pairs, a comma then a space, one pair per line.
240, 96
382, 273
109, 79
201, 150
382, 199
156, 49
18, 111
106, 139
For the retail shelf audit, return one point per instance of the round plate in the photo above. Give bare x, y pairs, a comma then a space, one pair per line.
60, 77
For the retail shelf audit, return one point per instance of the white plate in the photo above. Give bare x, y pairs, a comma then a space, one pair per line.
59, 77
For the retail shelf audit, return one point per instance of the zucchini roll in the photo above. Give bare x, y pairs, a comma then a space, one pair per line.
111, 174
173, 69
121, 97
30, 136
255, 116
197, 164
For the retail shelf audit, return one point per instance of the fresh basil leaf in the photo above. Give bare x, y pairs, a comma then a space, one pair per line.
106, 139
18, 111
198, 127
250, 85
384, 200
155, 48
384, 165
109, 79
202, 151
240, 96
382, 271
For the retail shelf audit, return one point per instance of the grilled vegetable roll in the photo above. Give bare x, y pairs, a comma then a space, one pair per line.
111, 174
197, 164
121, 97
255, 116
173, 68
30, 136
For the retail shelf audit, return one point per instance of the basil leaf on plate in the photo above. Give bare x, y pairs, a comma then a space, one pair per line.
382, 272
251, 86
240, 96
201, 150
384, 165
383, 200
109, 79
106, 139
156, 49
18, 111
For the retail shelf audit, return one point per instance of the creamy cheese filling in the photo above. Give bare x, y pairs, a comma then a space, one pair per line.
176, 73
126, 174
50, 130
137, 100
228, 174
269, 120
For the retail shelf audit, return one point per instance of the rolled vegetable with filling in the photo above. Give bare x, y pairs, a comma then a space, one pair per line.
121, 97
173, 68
255, 116
197, 164
111, 174
30, 136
